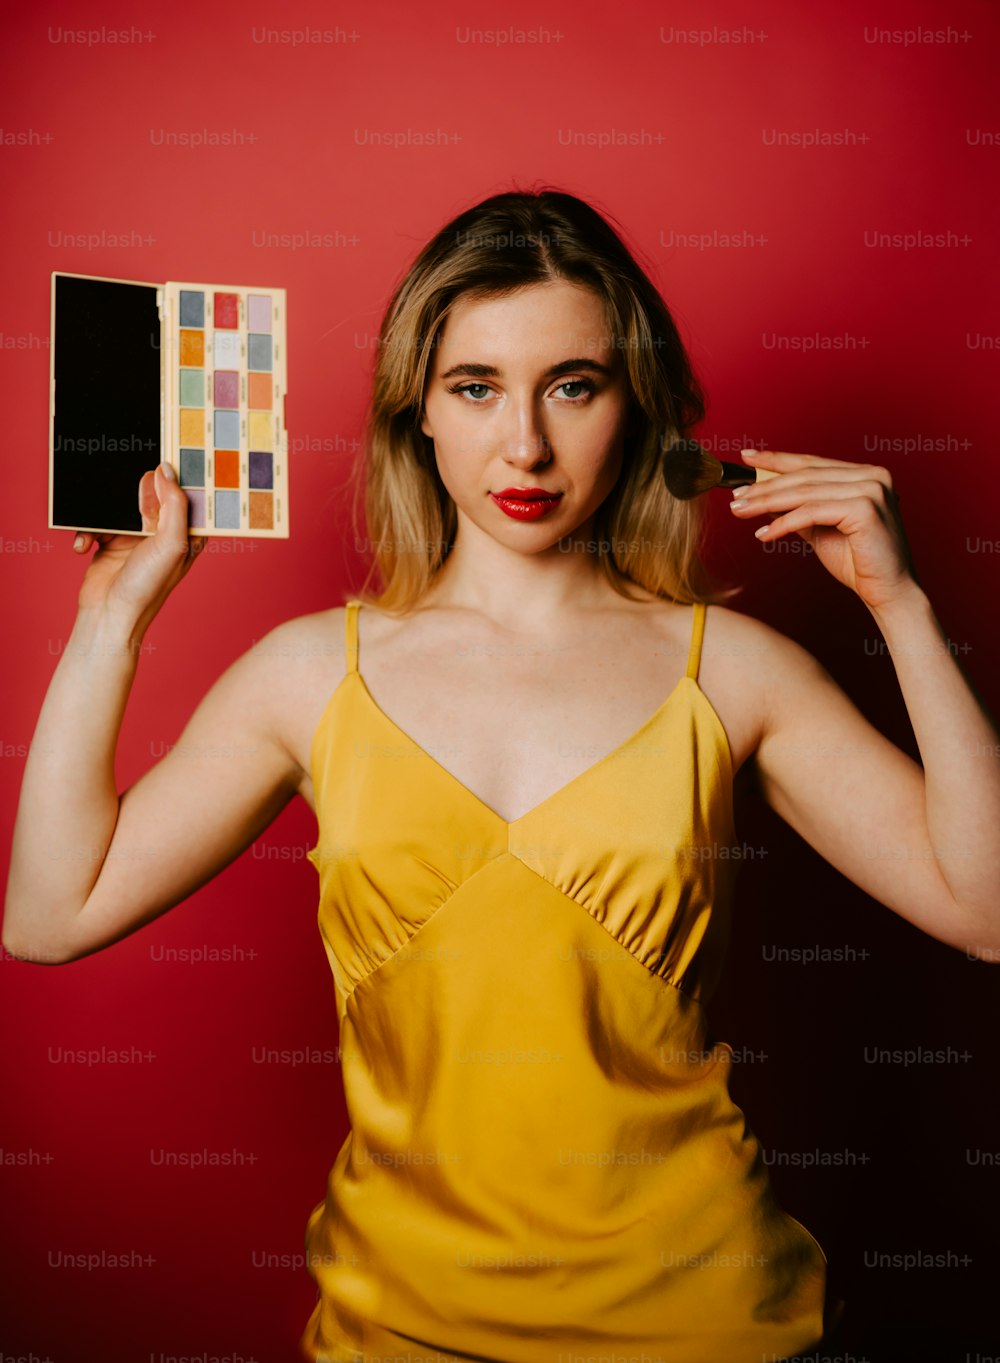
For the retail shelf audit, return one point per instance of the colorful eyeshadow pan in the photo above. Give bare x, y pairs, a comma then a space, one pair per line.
261, 468
226, 350
259, 391
227, 310
227, 388
192, 309
192, 468
192, 427
226, 430
227, 468
192, 348
227, 511
261, 511
259, 312
192, 388
260, 430
258, 351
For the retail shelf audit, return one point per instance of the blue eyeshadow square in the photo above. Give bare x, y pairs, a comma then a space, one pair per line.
227, 430
192, 308
227, 510
192, 468
258, 351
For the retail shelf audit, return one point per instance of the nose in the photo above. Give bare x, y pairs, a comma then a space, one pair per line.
524, 443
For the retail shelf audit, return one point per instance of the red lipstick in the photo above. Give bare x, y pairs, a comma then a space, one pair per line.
525, 503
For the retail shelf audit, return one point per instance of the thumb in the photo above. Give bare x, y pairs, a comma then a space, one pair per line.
172, 514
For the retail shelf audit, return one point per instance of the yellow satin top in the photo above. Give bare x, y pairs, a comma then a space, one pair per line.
544, 1160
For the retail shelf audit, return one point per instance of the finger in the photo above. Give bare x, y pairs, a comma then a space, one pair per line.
172, 516
781, 494
837, 473
783, 460
149, 504
845, 515
86, 539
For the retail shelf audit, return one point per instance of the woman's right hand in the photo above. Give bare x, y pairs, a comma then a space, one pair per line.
131, 576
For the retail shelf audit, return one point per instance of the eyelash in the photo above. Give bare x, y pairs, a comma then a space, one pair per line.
589, 387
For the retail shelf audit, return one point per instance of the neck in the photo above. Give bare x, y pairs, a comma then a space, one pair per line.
523, 591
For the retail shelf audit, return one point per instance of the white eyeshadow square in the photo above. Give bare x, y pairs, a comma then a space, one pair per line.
226, 350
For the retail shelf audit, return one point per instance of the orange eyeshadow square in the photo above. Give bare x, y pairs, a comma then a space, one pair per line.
259, 391
192, 348
261, 511
227, 468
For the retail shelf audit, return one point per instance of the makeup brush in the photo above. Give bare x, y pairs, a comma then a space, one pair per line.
689, 470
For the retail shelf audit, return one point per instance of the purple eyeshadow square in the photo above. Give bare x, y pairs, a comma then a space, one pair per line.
259, 312
261, 472
227, 388
196, 506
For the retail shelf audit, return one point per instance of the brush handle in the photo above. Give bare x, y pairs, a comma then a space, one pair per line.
738, 475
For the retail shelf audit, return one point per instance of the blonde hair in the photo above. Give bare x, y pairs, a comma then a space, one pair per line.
643, 534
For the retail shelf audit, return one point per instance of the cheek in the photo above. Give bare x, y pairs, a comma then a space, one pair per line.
459, 475
601, 451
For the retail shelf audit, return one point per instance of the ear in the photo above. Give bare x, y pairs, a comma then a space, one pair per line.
425, 424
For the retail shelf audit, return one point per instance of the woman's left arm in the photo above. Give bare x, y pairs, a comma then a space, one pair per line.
939, 824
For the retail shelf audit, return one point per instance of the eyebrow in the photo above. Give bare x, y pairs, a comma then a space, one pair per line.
490, 371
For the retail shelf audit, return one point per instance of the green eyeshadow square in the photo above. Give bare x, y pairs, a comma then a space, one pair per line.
192, 388
192, 468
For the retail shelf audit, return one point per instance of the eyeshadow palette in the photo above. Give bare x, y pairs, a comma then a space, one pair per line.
191, 374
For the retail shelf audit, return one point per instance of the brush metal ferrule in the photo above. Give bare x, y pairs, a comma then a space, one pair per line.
740, 475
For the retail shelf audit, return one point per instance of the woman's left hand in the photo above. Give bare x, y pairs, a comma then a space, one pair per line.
848, 513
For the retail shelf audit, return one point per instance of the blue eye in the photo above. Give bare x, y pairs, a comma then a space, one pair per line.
585, 384
588, 387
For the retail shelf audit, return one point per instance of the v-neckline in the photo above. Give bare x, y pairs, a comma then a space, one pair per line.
557, 794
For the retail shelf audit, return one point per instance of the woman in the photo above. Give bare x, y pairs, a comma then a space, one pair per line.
522, 754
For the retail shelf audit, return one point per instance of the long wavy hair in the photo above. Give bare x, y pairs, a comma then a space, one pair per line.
643, 534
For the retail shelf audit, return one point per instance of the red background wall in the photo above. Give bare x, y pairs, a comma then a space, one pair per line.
298, 196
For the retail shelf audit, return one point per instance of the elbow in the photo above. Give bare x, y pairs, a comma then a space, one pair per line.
978, 941
35, 956
34, 953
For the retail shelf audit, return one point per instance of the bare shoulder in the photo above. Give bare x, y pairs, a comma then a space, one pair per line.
303, 636
295, 667
750, 672
766, 653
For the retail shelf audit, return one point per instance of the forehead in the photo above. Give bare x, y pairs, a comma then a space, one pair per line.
538, 322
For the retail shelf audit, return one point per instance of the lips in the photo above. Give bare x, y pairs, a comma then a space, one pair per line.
527, 494
525, 503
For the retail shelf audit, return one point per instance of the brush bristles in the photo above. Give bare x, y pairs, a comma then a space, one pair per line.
688, 470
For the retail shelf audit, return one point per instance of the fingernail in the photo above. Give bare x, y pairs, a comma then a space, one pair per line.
78, 542
168, 472
749, 454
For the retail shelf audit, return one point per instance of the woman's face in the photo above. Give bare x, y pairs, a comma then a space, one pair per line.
528, 391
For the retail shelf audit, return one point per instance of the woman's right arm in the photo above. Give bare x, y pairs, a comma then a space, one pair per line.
88, 866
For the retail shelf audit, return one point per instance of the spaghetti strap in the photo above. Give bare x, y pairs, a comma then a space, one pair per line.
697, 632
351, 634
